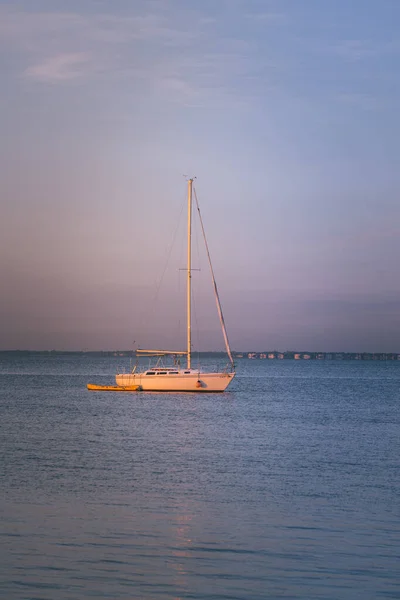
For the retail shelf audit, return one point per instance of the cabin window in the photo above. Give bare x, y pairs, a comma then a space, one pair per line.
187, 372
150, 373
173, 373
162, 373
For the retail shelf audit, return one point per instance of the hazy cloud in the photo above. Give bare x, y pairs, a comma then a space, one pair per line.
193, 65
62, 67
264, 17
359, 100
355, 50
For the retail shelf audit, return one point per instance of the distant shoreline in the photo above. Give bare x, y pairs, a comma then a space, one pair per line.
265, 355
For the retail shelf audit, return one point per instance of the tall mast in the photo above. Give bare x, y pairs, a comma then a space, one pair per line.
189, 274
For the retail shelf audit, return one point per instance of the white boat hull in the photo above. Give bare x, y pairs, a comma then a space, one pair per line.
181, 382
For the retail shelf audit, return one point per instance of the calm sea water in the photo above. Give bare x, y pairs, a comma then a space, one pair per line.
287, 486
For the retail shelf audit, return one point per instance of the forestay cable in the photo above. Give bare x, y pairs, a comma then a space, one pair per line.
219, 307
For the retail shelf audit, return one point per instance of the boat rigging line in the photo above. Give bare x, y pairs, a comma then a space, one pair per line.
219, 307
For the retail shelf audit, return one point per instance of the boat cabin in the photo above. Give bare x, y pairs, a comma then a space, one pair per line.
168, 371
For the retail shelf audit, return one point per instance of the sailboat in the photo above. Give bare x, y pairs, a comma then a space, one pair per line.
177, 378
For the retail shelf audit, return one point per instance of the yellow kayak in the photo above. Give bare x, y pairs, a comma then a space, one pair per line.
113, 388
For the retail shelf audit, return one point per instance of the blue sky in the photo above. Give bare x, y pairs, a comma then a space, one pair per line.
287, 113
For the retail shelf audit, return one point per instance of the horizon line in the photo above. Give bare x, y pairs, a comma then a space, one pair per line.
241, 352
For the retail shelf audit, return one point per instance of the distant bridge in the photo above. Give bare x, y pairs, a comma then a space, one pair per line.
292, 355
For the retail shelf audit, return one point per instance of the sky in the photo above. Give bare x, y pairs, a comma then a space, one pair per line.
286, 112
